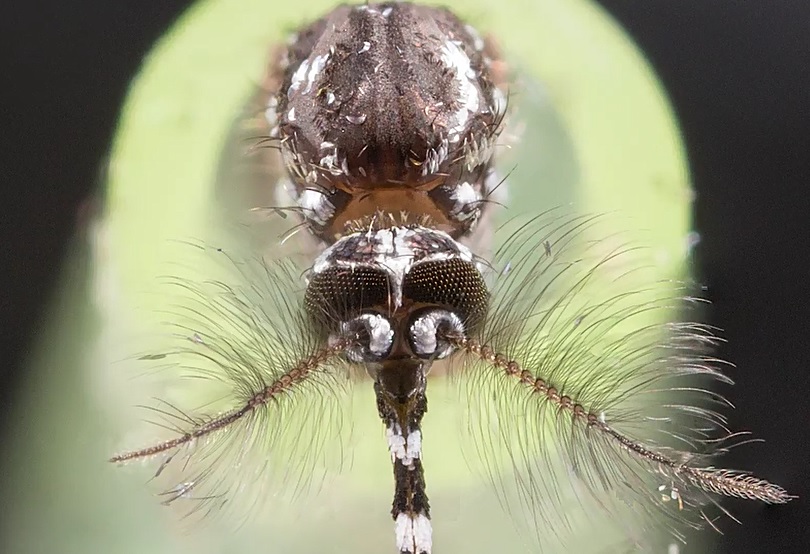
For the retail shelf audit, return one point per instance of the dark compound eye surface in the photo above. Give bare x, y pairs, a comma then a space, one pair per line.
392, 107
453, 284
392, 268
340, 293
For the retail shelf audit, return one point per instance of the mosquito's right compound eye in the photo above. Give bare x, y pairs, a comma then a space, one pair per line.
427, 332
371, 338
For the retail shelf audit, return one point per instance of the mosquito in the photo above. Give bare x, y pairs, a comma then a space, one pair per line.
385, 118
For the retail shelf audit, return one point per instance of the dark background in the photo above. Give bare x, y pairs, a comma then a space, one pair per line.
738, 74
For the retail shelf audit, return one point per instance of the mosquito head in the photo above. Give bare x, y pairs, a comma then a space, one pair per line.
397, 272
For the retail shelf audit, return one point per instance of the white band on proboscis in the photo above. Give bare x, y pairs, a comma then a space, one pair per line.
406, 450
414, 534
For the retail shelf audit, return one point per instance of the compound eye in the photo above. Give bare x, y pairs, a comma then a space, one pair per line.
454, 285
372, 338
338, 294
427, 330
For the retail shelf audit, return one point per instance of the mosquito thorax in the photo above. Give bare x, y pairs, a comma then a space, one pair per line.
392, 107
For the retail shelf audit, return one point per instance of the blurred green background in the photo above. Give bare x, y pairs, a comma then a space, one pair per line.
597, 133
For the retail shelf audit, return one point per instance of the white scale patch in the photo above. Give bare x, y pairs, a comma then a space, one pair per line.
477, 152
381, 335
298, 77
463, 195
307, 71
401, 449
423, 333
370, 9
317, 206
317, 66
435, 157
330, 163
455, 58
414, 534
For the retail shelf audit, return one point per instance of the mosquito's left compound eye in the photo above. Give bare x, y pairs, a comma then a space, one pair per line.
372, 338
427, 332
